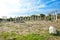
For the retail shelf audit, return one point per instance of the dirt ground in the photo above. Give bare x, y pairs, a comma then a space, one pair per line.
28, 27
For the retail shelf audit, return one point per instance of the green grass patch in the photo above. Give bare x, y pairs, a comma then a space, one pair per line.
13, 36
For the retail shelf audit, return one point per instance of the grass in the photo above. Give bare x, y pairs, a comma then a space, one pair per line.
32, 36
13, 36
35, 31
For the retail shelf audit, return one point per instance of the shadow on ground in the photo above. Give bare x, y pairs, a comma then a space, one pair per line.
58, 34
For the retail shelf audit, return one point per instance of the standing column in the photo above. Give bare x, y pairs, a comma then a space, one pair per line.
4, 18
56, 16
15, 18
51, 17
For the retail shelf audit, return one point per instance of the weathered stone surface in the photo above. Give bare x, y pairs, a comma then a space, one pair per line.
52, 30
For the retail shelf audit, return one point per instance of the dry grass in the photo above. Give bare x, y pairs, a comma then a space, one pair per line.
29, 27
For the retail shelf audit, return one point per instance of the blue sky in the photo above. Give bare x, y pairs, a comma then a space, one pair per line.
27, 7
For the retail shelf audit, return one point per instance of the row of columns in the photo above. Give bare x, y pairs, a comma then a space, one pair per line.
31, 18
54, 16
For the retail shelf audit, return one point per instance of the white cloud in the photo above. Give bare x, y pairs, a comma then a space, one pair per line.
42, 6
8, 7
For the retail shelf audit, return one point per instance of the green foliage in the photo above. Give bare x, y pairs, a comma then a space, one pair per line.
10, 19
13, 36
58, 15
42, 16
32, 17
36, 37
6, 35
49, 17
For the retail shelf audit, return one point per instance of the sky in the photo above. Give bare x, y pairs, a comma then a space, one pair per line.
14, 8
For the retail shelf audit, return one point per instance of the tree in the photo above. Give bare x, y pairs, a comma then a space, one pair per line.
11, 19
49, 17
42, 16
1, 19
58, 15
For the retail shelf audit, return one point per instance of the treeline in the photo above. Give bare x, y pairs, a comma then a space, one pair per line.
32, 17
